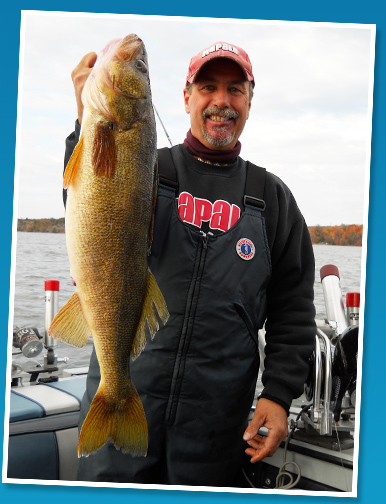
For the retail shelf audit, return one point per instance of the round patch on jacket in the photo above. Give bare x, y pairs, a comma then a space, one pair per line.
245, 249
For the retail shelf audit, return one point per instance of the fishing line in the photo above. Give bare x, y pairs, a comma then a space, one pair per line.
162, 124
341, 458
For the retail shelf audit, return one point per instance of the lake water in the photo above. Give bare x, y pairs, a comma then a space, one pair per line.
348, 261
43, 256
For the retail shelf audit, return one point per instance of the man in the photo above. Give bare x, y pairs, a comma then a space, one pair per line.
233, 255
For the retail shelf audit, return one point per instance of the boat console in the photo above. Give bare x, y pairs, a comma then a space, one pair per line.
318, 453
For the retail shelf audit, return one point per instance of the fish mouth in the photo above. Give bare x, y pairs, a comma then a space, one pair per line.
129, 47
129, 39
129, 95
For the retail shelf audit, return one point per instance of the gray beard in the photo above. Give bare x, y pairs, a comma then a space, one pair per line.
220, 141
223, 139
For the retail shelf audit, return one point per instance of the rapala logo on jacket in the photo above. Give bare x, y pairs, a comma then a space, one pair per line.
221, 215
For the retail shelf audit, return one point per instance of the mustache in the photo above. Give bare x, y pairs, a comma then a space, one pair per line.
225, 113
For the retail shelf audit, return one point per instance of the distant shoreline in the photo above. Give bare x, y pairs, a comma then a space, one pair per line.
41, 225
345, 234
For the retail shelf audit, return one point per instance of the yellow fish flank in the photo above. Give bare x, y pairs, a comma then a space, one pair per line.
111, 182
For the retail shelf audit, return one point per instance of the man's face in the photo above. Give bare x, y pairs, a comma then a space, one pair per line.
218, 103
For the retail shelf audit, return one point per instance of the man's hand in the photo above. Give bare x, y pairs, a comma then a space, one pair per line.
79, 76
272, 416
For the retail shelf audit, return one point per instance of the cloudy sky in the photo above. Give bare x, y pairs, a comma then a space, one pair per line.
310, 121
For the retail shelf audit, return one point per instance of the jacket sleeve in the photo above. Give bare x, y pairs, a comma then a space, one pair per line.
71, 142
290, 324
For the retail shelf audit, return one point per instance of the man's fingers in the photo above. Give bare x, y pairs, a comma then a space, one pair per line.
254, 426
257, 442
90, 59
272, 416
83, 69
261, 447
87, 62
79, 76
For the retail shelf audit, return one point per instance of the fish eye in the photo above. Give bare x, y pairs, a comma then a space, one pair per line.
141, 65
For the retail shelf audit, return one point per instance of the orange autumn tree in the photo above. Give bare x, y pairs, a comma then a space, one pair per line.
350, 234
345, 234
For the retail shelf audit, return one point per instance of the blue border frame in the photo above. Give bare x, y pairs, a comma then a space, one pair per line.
372, 443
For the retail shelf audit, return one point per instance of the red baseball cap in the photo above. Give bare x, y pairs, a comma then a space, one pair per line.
220, 50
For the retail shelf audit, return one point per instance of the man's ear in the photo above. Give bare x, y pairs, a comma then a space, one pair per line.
186, 101
249, 109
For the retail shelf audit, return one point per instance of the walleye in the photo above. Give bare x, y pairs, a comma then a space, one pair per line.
111, 180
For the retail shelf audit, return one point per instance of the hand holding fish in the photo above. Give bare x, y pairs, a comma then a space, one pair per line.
272, 416
79, 76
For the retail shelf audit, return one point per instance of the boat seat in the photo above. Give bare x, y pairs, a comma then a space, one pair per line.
46, 399
43, 430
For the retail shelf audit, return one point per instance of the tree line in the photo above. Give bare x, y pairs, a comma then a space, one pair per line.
345, 234
41, 225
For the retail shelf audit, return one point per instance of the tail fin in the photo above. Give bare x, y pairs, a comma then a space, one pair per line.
153, 296
124, 424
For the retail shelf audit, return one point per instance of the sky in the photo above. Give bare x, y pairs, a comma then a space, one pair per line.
310, 121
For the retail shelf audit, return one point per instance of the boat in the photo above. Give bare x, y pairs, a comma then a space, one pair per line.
318, 455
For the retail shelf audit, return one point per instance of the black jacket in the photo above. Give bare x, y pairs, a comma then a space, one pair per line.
197, 377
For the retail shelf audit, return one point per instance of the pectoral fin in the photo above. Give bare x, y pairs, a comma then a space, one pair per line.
153, 297
104, 153
73, 165
69, 324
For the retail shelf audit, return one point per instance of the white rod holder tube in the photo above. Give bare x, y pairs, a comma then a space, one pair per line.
52, 302
336, 316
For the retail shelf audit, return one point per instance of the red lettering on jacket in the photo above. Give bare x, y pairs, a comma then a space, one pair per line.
235, 215
221, 215
202, 211
186, 207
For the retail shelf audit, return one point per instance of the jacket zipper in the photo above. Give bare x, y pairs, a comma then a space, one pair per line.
187, 329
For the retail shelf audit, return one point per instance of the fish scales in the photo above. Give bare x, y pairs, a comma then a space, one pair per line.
111, 181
